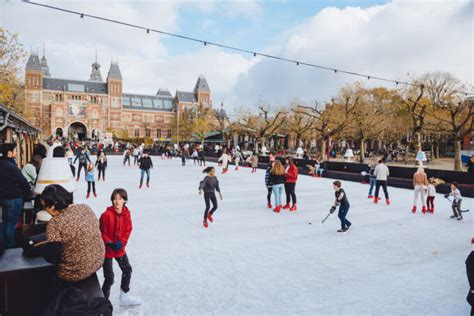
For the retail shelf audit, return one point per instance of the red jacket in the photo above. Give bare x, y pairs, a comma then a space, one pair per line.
115, 227
292, 174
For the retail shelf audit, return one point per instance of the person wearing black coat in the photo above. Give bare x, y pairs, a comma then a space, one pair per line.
101, 165
13, 189
470, 278
145, 164
83, 159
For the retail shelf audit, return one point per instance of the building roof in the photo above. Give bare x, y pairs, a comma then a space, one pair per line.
45, 67
95, 72
201, 85
148, 102
164, 92
74, 85
33, 62
184, 96
114, 71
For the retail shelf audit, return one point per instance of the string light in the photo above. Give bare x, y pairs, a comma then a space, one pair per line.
148, 30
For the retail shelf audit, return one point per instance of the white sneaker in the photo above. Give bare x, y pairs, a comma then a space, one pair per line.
127, 300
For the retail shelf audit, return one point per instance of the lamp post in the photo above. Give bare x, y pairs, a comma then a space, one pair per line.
329, 143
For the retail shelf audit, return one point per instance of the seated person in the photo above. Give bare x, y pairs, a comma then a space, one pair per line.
317, 169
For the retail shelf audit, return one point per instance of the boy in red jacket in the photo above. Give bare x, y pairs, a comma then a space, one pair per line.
116, 227
291, 175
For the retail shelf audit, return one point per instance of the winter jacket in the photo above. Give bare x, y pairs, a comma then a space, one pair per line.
77, 228
29, 172
431, 190
145, 163
381, 172
115, 227
209, 185
291, 174
90, 176
101, 164
13, 184
225, 160
277, 179
372, 171
268, 181
83, 158
238, 156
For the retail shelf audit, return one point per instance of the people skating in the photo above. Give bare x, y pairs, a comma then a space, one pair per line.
277, 178
372, 180
126, 157
224, 159
420, 183
145, 164
136, 153
431, 192
254, 162
470, 278
343, 202
202, 158
84, 159
456, 202
195, 156
209, 186
268, 183
90, 178
381, 175
291, 176
237, 158
101, 165
116, 228
182, 153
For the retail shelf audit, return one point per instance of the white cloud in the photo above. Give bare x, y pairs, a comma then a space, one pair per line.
390, 41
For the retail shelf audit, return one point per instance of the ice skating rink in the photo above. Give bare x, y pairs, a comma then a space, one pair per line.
252, 261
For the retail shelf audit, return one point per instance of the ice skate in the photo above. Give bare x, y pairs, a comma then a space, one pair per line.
413, 209
293, 208
209, 217
286, 206
277, 209
342, 230
88, 195
387, 201
95, 195
370, 197
269, 205
127, 300
205, 224
376, 200
423, 210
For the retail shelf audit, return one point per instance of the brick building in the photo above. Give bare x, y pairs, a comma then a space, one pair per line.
91, 108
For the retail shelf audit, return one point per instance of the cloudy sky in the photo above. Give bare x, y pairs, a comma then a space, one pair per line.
396, 39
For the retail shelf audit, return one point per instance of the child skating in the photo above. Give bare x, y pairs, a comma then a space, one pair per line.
224, 160
237, 158
254, 161
343, 202
456, 202
277, 178
90, 178
116, 227
101, 165
145, 165
431, 191
209, 186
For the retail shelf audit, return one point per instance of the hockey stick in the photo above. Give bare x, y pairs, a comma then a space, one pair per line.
451, 201
330, 212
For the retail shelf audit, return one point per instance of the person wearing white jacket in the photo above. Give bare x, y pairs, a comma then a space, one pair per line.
381, 174
225, 158
237, 158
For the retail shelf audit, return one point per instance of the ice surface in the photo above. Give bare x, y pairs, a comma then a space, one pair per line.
251, 261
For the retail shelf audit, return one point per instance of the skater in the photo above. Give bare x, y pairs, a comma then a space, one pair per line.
277, 178
90, 180
83, 159
224, 160
195, 156
269, 184
183, 156
420, 182
254, 162
101, 165
237, 158
431, 195
209, 185
372, 180
343, 202
116, 227
136, 153
202, 159
470, 278
291, 176
126, 157
457, 200
145, 164
381, 174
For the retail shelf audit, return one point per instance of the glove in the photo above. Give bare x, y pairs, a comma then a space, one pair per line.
337, 203
446, 195
116, 246
332, 209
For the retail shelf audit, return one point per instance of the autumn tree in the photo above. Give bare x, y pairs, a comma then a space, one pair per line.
12, 57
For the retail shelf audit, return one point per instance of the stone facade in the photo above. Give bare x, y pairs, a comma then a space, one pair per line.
89, 109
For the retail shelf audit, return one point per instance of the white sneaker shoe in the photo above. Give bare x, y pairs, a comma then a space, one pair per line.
127, 300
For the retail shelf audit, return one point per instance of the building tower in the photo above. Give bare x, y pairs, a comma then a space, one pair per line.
202, 92
114, 90
34, 111
95, 73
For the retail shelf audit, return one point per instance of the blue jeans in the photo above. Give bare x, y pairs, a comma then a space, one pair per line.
343, 209
372, 185
277, 192
143, 174
11, 212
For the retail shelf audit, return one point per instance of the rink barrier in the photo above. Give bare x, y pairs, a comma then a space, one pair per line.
400, 177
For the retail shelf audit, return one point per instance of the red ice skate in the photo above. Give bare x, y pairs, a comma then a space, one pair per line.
376, 200
413, 209
293, 208
423, 210
269, 205
87, 196
140, 186
277, 209
95, 195
209, 217
387, 201
205, 224
370, 197
286, 206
